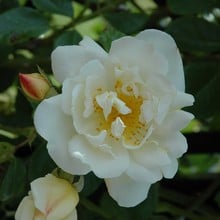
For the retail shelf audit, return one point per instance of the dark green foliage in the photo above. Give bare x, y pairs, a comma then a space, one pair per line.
21, 23
63, 7
40, 163
13, 183
126, 22
67, 38
203, 80
200, 36
192, 6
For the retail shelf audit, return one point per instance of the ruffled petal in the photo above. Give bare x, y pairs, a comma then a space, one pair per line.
151, 155
57, 128
176, 120
82, 124
66, 97
140, 173
58, 150
92, 46
165, 45
132, 52
50, 121
68, 60
104, 161
182, 100
126, 191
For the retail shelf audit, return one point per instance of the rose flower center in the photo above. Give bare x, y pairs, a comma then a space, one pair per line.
119, 114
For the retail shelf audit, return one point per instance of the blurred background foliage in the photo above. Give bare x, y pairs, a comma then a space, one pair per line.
31, 29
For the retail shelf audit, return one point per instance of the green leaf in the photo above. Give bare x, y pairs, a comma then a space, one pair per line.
63, 7
6, 151
68, 38
21, 23
206, 90
13, 183
195, 34
40, 163
108, 36
126, 22
192, 6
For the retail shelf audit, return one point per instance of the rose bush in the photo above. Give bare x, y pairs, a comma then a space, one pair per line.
119, 113
50, 198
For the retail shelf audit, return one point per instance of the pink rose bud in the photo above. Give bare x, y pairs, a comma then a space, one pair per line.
34, 85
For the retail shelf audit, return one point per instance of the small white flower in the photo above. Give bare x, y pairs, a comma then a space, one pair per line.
50, 198
119, 112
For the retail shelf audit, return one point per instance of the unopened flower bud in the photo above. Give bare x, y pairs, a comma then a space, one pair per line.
34, 85
50, 198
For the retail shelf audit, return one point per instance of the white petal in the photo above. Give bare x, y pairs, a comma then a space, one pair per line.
95, 83
151, 155
97, 139
131, 52
147, 109
159, 86
82, 124
176, 120
174, 143
162, 109
66, 97
107, 100
59, 153
91, 45
182, 100
140, 173
165, 44
50, 121
170, 170
121, 106
117, 127
25, 209
126, 191
68, 60
54, 197
57, 128
103, 163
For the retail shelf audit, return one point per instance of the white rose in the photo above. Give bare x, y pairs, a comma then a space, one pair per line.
119, 112
50, 198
